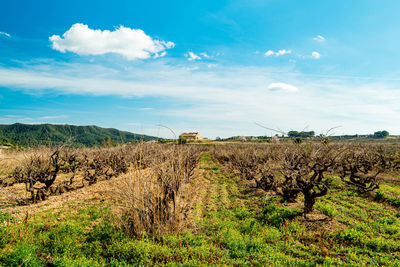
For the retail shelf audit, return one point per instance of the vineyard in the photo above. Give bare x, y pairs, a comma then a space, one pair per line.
314, 203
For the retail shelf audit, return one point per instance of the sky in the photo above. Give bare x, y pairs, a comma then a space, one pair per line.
215, 67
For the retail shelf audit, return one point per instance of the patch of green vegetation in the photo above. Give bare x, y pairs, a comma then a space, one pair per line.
326, 209
392, 200
276, 216
206, 159
33, 135
379, 195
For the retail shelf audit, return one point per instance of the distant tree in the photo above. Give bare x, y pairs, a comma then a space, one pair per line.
302, 134
298, 140
182, 140
293, 134
108, 142
381, 134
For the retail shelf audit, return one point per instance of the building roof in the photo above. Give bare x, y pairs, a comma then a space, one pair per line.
189, 134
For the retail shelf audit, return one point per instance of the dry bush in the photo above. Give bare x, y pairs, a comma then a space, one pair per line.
151, 199
360, 165
41, 168
287, 170
251, 162
293, 169
39, 172
305, 168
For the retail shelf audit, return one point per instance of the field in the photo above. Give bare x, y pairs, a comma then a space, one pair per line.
145, 204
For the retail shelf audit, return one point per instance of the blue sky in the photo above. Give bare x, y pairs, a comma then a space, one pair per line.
216, 67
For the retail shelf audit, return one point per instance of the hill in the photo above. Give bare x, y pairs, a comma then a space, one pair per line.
33, 135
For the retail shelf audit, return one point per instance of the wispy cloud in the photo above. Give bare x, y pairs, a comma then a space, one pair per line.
192, 56
280, 52
319, 38
53, 117
205, 55
5, 34
282, 87
130, 43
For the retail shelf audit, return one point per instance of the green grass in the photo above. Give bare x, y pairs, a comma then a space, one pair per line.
237, 227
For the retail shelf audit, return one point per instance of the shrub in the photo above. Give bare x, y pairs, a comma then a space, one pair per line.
379, 195
182, 140
298, 140
394, 201
150, 200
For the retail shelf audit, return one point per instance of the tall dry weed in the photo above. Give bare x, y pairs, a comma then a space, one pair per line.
151, 199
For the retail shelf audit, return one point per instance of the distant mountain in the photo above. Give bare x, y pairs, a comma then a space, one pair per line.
44, 134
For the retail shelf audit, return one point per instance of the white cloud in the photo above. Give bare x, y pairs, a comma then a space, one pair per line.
130, 43
205, 55
53, 117
192, 56
315, 55
160, 55
282, 87
283, 52
319, 38
269, 53
5, 34
278, 53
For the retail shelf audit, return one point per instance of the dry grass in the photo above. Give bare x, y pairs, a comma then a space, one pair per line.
151, 200
147, 189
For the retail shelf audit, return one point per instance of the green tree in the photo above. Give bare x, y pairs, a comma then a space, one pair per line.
108, 142
182, 140
381, 134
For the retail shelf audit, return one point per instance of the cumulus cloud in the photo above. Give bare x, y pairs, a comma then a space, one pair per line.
130, 43
319, 38
282, 87
315, 55
278, 53
192, 56
5, 34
